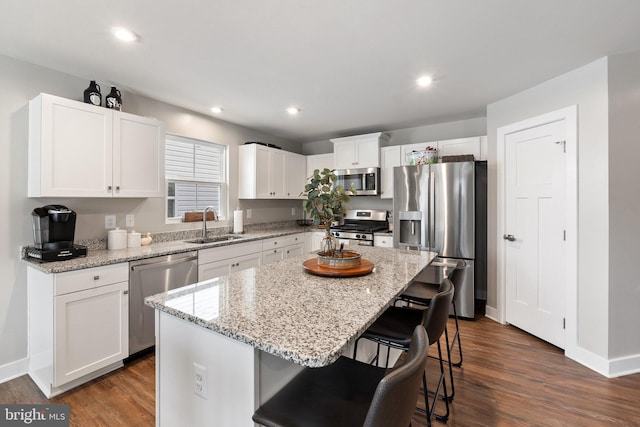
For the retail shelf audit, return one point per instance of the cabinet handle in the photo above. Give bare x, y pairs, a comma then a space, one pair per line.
109, 188
96, 277
118, 188
125, 292
275, 251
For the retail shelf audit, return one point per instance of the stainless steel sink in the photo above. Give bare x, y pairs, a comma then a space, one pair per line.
217, 239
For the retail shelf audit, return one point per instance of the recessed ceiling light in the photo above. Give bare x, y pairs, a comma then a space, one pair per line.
216, 110
424, 81
124, 34
293, 110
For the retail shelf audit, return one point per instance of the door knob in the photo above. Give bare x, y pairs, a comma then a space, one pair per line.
509, 237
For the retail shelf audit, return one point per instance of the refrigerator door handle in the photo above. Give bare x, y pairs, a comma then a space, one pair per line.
431, 221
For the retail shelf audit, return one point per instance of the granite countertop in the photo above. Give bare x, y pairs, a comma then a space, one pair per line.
280, 309
100, 257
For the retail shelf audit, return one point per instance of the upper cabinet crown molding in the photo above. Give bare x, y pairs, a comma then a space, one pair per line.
82, 150
358, 151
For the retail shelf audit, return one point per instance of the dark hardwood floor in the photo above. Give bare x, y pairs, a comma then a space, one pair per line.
508, 378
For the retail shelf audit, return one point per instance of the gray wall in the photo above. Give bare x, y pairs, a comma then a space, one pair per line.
20, 82
586, 87
624, 204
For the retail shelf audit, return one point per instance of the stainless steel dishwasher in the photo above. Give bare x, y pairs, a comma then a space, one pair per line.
149, 277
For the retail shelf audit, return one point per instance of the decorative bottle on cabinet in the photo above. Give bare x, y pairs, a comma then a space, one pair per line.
114, 99
92, 94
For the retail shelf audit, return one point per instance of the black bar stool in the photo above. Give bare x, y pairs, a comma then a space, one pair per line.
394, 327
422, 292
350, 393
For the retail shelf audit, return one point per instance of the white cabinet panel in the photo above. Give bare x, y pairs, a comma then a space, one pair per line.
138, 152
91, 331
81, 150
272, 255
383, 240
294, 250
389, 158
460, 146
221, 261
360, 151
313, 241
294, 180
263, 173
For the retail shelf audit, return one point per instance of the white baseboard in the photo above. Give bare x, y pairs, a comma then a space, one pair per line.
14, 370
610, 368
624, 366
492, 313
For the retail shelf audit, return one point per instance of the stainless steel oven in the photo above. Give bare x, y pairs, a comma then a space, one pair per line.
359, 226
366, 181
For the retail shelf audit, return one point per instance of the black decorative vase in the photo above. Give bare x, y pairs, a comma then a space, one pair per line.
114, 99
92, 94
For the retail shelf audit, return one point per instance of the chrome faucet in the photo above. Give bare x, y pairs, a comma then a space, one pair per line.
204, 219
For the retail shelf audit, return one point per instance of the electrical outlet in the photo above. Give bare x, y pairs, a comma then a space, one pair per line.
249, 213
129, 220
200, 380
110, 221
293, 211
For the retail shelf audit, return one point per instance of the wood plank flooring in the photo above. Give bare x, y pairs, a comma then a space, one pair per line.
508, 378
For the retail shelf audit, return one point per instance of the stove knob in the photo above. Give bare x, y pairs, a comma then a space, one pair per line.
335, 233
358, 236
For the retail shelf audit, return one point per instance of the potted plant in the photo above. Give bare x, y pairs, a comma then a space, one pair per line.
326, 203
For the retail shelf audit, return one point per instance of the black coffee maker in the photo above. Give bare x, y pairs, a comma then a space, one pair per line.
54, 228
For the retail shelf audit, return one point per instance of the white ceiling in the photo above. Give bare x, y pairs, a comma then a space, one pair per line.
350, 65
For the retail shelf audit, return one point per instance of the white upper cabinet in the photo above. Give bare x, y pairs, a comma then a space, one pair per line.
81, 150
360, 151
461, 146
476, 145
389, 158
294, 178
318, 161
265, 173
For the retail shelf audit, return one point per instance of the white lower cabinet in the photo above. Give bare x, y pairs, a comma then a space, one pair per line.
283, 247
78, 325
313, 241
383, 240
221, 261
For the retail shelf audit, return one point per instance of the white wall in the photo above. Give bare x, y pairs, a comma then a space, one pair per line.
20, 82
624, 205
588, 88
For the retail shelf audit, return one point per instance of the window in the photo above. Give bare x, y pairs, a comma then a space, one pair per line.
195, 172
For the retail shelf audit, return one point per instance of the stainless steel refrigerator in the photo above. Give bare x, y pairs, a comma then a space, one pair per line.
442, 207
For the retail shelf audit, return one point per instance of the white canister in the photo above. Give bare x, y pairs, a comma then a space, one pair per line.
133, 239
117, 239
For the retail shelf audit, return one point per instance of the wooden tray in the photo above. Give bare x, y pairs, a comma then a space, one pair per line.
311, 266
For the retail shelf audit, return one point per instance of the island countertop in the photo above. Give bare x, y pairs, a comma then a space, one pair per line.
282, 310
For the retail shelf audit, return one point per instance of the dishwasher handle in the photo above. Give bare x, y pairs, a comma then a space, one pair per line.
163, 263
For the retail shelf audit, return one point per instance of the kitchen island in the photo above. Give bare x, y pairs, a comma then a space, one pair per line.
224, 346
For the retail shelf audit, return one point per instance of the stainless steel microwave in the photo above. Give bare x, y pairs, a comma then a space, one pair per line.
365, 180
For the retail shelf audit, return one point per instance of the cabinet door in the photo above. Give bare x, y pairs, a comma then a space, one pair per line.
294, 250
214, 269
316, 241
345, 155
277, 174
91, 330
70, 148
138, 153
263, 169
319, 161
389, 158
272, 255
295, 167
460, 146
246, 261
368, 153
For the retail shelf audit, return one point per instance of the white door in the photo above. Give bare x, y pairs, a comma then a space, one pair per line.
535, 231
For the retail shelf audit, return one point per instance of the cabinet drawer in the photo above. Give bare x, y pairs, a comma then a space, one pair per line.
227, 252
273, 243
89, 278
295, 239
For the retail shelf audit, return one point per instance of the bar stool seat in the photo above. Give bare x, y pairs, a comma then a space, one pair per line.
350, 393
